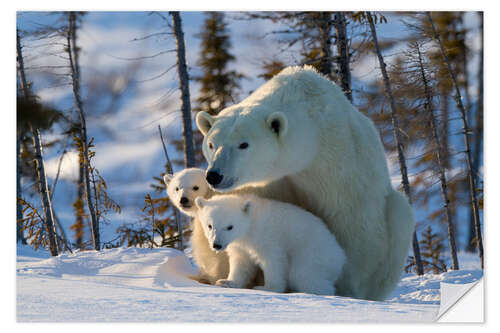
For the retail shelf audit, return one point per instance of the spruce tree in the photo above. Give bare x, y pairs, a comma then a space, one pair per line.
219, 85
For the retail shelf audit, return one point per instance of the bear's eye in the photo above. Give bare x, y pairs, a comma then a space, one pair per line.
210, 145
176, 189
243, 145
195, 188
210, 227
229, 228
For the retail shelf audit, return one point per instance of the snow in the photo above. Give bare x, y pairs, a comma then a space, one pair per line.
152, 285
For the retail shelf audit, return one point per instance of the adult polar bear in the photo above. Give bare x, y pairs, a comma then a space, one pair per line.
298, 139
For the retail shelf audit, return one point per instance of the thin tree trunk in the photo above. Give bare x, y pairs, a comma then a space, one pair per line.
478, 135
170, 171
19, 208
42, 179
187, 130
75, 75
445, 132
466, 130
343, 55
59, 164
442, 174
397, 139
44, 192
465, 59
325, 29
63, 240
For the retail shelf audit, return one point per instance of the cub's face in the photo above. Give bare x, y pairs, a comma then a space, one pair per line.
223, 222
252, 147
184, 187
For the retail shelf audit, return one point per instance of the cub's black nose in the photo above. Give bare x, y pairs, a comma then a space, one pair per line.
184, 200
217, 246
214, 178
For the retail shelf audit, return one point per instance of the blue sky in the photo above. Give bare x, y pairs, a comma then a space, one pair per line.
128, 150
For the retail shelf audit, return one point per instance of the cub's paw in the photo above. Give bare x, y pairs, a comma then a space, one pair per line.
227, 283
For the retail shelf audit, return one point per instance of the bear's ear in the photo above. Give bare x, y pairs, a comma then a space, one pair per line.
247, 207
204, 122
278, 123
167, 178
200, 202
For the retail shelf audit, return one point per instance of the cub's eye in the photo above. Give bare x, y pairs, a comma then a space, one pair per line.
210, 226
176, 189
243, 145
195, 188
210, 145
229, 228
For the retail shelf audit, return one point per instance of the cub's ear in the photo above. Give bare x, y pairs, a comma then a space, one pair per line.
167, 178
247, 207
204, 122
200, 202
278, 123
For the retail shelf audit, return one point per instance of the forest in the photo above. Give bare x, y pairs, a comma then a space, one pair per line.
105, 109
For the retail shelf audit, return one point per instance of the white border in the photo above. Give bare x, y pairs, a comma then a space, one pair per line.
492, 167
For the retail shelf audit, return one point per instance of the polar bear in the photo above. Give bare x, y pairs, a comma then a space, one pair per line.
299, 131
182, 189
282, 239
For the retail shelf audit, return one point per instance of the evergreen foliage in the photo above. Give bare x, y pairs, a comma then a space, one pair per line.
219, 84
431, 245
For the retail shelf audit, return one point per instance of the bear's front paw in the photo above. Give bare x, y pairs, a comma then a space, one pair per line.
227, 283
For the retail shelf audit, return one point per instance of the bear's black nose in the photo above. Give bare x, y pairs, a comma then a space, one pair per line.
184, 200
214, 178
217, 246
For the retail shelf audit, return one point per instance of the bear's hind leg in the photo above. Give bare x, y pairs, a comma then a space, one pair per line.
307, 278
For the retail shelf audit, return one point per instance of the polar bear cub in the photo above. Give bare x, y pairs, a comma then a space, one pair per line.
182, 189
294, 248
185, 186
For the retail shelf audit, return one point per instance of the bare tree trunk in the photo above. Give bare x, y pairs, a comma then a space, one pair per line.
445, 132
44, 192
75, 75
170, 171
42, 179
62, 240
59, 164
466, 130
478, 135
343, 55
442, 174
187, 130
19, 208
397, 139
325, 29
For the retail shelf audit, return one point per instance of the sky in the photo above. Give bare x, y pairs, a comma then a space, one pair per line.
128, 149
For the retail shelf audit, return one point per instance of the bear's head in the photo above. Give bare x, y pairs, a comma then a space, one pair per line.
252, 145
224, 219
184, 187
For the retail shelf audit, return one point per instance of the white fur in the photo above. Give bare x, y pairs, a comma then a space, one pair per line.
282, 239
184, 184
212, 266
326, 158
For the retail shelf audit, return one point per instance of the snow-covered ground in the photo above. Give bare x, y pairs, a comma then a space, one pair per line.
150, 285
